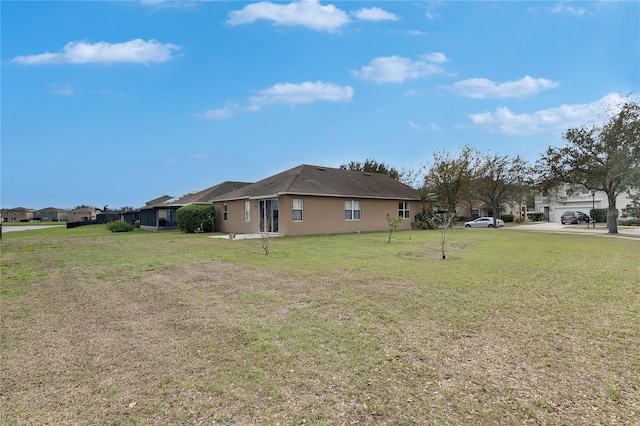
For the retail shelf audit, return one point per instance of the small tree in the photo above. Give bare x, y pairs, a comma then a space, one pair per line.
196, 218
443, 222
265, 226
394, 222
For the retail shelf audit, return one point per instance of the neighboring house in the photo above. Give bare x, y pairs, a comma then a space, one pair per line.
160, 214
50, 214
81, 214
317, 200
553, 205
478, 209
18, 214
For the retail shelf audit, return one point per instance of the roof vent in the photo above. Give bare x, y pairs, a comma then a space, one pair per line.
321, 169
367, 174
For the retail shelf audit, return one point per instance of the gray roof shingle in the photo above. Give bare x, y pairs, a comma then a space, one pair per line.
325, 181
204, 196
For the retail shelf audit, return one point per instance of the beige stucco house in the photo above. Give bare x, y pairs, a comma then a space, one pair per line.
17, 214
49, 214
317, 200
81, 214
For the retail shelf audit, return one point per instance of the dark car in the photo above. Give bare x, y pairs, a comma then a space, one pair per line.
575, 217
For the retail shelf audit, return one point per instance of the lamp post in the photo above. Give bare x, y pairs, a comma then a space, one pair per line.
593, 210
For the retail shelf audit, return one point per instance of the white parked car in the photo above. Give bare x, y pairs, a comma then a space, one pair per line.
484, 222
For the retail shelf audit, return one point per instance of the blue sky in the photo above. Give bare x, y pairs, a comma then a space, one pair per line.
117, 103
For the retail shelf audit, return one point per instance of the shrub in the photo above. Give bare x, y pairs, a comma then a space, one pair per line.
600, 215
196, 218
422, 220
630, 222
536, 217
507, 218
120, 226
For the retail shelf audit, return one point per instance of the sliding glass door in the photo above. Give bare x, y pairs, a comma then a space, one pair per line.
269, 215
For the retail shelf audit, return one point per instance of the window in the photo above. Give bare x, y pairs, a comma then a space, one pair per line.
247, 211
585, 191
297, 209
403, 210
352, 210
225, 211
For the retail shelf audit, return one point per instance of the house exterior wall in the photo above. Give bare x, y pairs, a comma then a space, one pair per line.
47, 215
16, 215
235, 222
80, 215
320, 215
553, 208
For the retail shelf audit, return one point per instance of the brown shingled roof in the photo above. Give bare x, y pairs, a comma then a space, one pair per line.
206, 195
325, 181
158, 200
203, 196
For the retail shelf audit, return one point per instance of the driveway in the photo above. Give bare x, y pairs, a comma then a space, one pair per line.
600, 229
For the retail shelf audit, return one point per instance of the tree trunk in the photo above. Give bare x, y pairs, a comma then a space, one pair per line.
612, 214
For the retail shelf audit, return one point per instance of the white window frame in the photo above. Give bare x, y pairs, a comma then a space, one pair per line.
225, 211
404, 210
350, 209
247, 211
298, 205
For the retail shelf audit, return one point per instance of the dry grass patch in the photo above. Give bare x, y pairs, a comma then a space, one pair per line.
402, 339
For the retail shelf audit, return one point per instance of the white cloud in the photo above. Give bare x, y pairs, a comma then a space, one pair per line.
413, 125
285, 93
432, 126
437, 57
229, 110
61, 89
170, 4
416, 32
550, 120
396, 69
374, 14
431, 15
308, 13
304, 93
563, 8
480, 88
80, 52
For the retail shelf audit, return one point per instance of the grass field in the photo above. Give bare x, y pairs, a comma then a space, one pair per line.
166, 328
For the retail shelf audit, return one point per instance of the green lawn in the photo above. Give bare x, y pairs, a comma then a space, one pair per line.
514, 328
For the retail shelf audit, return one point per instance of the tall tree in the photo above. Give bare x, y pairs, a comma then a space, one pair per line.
500, 179
598, 157
372, 166
448, 180
407, 176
